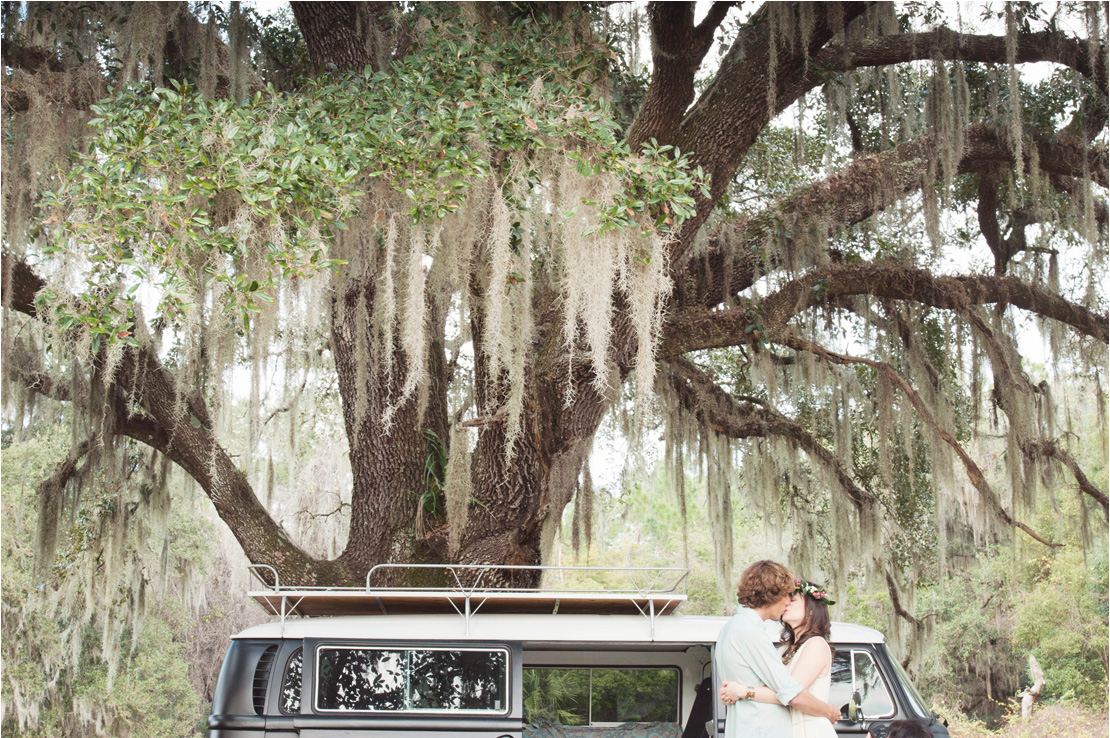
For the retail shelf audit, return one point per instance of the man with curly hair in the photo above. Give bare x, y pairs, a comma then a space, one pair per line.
745, 654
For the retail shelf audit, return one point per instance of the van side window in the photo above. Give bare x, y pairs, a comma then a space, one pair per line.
290, 701
411, 680
596, 696
855, 670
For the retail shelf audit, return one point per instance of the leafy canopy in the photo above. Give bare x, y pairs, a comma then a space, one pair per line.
191, 194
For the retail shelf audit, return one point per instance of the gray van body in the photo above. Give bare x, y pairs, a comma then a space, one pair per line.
492, 666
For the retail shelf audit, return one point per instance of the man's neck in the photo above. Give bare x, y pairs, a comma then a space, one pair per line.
765, 613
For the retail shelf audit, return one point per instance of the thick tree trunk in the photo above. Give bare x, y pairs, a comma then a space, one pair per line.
517, 497
386, 468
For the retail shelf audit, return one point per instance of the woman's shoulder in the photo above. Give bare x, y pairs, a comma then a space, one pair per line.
821, 647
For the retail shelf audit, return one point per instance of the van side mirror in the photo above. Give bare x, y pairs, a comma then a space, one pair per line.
855, 709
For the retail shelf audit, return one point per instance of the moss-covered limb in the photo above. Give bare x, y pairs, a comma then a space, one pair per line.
194, 450
1089, 120
894, 281
723, 124
178, 429
1048, 448
62, 76
78, 92
759, 77
723, 414
678, 49
1046, 46
899, 609
987, 209
974, 473
36, 380
699, 328
865, 187
1057, 155
1071, 186
30, 58
49, 502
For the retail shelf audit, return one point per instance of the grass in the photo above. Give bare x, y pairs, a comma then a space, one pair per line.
1047, 721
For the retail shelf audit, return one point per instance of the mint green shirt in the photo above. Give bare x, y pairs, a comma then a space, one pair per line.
746, 655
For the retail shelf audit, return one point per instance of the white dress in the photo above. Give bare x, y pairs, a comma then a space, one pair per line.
809, 726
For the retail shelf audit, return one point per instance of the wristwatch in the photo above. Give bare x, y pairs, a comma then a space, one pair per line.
751, 694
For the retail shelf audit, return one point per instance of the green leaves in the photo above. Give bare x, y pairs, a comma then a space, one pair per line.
184, 193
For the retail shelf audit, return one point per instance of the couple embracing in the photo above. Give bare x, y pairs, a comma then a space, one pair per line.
769, 694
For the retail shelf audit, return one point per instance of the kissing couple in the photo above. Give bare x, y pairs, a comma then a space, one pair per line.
769, 694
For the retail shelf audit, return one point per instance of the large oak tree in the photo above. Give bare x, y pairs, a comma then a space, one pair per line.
778, 234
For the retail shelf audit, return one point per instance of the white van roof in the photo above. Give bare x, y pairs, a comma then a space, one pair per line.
677, 630
481, 604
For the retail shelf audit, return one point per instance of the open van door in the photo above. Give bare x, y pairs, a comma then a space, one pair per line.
717, 723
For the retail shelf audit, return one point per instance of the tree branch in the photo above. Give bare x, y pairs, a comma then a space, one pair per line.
746, 94
1030, 694
723, 414
866, 186
178, 429
698, 328
49, 504
974, 473
1052, 450
39, 381
30, 58
678, 48
1050, 46
896, 603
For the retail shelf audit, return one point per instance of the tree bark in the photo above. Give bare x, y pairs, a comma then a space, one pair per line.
1051, 449
386, 466
678, 49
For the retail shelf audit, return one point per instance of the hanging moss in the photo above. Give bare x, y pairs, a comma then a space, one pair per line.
457, 489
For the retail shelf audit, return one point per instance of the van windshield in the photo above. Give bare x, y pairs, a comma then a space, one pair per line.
917, 702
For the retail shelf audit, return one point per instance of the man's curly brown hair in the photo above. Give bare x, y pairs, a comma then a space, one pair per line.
764, 583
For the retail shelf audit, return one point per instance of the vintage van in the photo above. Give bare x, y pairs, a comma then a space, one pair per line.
474, 661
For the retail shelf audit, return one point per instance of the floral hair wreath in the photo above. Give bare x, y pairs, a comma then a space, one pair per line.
801, 586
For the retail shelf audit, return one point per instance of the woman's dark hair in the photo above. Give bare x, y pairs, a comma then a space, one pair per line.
908, 729
815, 623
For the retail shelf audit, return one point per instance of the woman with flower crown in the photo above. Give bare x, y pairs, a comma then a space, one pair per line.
806, 651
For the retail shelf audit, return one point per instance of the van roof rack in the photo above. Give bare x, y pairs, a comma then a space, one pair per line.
649, 591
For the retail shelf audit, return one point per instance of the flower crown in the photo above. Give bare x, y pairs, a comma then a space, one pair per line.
801, 586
